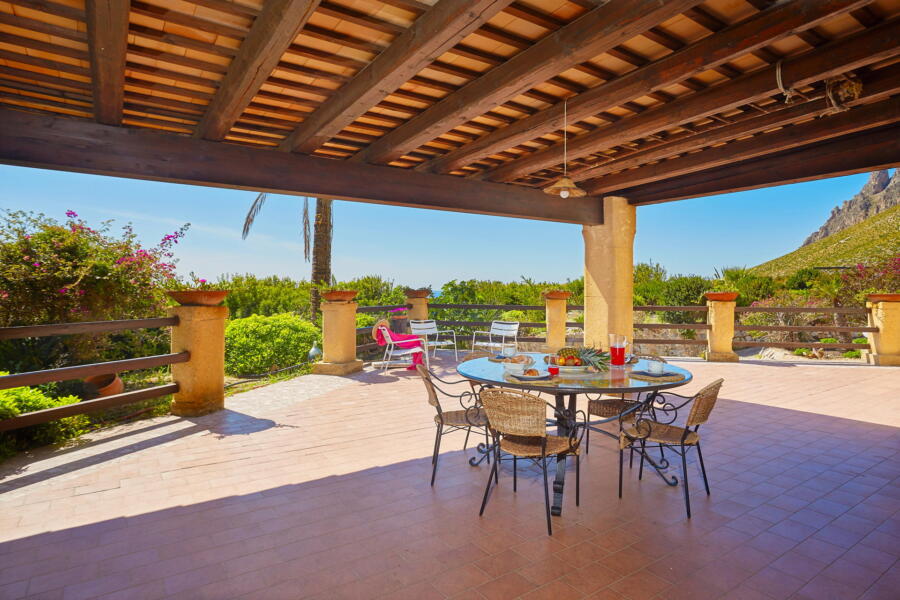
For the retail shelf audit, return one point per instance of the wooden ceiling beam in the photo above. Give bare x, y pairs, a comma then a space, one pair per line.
871, 116
272, 33
863, 48
591, 34
107, 26
857, 153
83, 146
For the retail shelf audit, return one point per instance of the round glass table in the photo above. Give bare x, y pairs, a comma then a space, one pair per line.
617, 380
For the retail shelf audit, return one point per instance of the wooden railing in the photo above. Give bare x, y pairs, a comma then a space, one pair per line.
81, 371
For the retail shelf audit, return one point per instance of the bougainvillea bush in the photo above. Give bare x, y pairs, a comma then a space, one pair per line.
58, 271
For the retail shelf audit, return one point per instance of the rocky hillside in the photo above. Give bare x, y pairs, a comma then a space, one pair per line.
880, 193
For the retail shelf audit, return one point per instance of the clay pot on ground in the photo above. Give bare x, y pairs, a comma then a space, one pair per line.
198, 297
339, 295
721, 296
104, 385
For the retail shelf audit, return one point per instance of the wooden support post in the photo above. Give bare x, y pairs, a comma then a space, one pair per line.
608, 273
721, 333
201, 380
556, 307
884, 343
338, 339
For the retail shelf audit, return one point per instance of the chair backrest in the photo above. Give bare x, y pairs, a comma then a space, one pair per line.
476, 354
380, 324
423, 327
515, 413
505, 328
703, 404
429, 387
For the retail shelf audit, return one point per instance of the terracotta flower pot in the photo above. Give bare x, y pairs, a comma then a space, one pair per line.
106, 385
721, 296
556, 295
418, 293
340, 295
198, 297
883, 297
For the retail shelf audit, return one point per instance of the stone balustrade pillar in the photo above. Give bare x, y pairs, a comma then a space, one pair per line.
721, 333
201, 380
555, 309
884, 344
338, 339
419, 310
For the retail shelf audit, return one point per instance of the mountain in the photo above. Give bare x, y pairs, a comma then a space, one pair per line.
880, 193
875, 238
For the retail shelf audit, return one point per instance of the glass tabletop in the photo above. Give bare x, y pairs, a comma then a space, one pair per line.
615, 380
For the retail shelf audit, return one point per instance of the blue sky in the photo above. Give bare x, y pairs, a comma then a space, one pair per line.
431, 247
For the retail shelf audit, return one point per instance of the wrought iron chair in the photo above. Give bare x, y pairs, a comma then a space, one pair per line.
645, 429
428, 327
518, 423
470, 415
504, 330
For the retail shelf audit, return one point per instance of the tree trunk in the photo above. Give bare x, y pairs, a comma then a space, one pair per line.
321, 253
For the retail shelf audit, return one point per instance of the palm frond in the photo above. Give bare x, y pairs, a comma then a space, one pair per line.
251, 214
306, 228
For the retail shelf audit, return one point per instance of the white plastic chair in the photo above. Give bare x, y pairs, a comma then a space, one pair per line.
427, 327
391, 351
504, 330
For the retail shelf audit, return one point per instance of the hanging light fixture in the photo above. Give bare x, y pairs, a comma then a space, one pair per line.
564, 186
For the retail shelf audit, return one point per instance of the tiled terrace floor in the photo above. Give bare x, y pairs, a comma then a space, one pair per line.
318, 488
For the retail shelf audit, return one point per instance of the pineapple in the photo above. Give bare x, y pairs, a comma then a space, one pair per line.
594, 358
567, 352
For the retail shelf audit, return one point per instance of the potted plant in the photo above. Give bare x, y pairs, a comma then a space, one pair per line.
556, 294
196, 292
422, 292
333, 293
399, 319
883, 297
104, 385
722, 291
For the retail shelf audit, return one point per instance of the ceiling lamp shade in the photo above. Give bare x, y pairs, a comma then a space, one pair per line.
565, 188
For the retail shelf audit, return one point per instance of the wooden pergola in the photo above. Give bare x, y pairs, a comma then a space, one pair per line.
454, 104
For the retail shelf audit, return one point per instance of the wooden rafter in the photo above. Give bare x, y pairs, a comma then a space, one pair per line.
433, 33
756, 32
74, 145
591, 34
871, 116
107, 25
856, 153
272, 33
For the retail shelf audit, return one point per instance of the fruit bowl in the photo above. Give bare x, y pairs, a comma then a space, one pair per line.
564, 369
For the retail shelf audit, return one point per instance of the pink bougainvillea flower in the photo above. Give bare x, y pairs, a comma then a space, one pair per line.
37, 264
27, 237
71, 214
63, 290
202, 280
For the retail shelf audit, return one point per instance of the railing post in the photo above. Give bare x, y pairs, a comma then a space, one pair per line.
720, 318
885, 343
555, 309
419, 310
338, 339
201, 380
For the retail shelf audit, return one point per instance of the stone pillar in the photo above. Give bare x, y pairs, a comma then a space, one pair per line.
555, 309
338, 339
721, 333
609, 273
419, 310
884, 343
201, 380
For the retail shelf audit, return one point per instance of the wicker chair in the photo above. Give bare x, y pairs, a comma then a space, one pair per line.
518, 422
644, 431
447, 421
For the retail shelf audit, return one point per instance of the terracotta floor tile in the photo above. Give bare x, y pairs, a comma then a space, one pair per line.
641, 585
508, 586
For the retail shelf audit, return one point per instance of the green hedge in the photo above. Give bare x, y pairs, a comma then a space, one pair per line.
260, 344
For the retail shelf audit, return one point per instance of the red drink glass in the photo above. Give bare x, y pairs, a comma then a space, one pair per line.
617, 355
553, 370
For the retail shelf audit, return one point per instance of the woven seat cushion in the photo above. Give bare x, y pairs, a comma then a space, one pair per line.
458, 418
659, 433
608, 408
530, 447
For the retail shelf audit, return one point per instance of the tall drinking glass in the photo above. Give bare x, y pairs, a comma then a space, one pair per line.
617, 345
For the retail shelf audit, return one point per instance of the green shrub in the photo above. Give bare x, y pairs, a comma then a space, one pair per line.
365, 320
252, 295
861, 340
802, 352
684, 290
260, 344
16, 401
829, 340
852, 354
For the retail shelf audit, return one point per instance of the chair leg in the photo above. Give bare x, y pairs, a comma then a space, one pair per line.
641, 469
577, 480
466, 442
515, 473
631, 458
546, 495
587, 447
703, 469
487, 445
437, 451
488, 488
621, 460
684, 473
